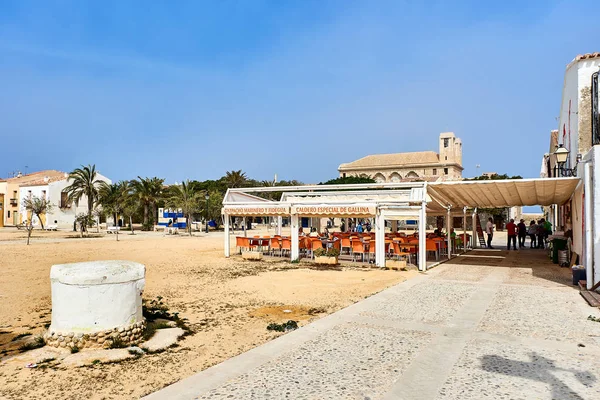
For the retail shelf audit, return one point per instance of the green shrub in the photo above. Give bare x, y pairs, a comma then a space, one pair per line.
319, 252
285, 327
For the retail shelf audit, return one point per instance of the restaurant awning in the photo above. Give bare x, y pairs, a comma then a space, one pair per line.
503, 193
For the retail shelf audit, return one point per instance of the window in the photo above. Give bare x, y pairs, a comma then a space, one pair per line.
445, 171
344, 175
64, 200
446, 158
43, 194
29, 193
435, 171
8, 213
446, 142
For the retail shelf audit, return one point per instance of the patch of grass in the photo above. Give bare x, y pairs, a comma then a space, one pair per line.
149, 331
20, 335
285, 327
161, 325
592, 318
118, 343
95, 362
74, 349
35, 344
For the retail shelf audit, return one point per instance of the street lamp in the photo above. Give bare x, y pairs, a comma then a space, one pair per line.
561, 154
206, 196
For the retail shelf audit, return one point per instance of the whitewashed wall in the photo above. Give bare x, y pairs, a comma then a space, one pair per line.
577, 77
65, 217
36, 191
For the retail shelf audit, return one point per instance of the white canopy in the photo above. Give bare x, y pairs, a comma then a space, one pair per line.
503, 193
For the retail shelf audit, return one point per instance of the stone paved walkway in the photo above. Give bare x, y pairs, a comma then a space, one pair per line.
492, 324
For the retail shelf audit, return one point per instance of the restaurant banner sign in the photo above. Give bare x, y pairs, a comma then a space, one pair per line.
258, 211
335, 210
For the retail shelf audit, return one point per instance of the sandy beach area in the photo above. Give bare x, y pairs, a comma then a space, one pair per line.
228, 303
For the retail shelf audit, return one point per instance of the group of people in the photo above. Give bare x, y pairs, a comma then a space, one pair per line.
359, 228
538, 233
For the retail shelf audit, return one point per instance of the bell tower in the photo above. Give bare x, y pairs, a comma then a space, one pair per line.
450, 148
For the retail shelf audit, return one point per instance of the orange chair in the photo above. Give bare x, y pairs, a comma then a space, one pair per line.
303, 246
431, 246
314, 245
371, 251
398, 252
241, 243
346, 244
358, 248
286, 245
274, 246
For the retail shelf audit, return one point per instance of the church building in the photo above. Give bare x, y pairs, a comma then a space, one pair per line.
422, 165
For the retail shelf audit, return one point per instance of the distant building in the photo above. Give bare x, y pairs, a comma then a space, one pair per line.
49, 184
422, 165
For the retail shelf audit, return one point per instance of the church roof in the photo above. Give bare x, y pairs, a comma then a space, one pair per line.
393, 160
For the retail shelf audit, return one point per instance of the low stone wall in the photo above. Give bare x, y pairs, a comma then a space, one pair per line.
131, 335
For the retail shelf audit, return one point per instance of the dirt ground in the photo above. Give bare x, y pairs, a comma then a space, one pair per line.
228, 302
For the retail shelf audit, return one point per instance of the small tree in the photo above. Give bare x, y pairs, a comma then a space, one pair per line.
36, 206
83, 221
187, 197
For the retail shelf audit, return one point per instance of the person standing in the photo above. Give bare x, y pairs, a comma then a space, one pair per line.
511, 229
522, 232
541, 235
489, 229
532, 232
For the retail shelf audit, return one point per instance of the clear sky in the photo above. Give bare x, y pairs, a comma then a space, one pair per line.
189, 90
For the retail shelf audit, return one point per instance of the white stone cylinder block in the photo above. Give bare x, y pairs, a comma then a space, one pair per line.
96, 296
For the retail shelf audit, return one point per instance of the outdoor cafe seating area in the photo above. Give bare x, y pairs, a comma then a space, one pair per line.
356, 247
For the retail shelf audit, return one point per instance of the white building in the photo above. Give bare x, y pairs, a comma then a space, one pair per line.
63, 212
578, 115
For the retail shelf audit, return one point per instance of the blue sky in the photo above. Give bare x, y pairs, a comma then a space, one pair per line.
191, 90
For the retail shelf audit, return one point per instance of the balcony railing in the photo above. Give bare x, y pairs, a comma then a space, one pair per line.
13, 202
563, 172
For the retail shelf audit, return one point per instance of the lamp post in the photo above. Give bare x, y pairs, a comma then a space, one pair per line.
206, 196
561, 154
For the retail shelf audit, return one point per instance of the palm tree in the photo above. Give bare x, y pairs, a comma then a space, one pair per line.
85, 182
188, 198
148, 191
235, 179
113, 198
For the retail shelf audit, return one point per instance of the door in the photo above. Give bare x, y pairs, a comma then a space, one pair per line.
15, 218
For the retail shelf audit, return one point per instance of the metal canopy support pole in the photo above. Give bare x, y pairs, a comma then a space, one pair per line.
588, 244
448, 237
295, 239
245, 227
464, 241
422, 235
394, 226
227, 238
279, 223
380, 239
474, 226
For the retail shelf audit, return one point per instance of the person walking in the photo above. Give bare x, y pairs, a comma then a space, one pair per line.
511, 229
489, 229
532, 232
522, 232
541, 234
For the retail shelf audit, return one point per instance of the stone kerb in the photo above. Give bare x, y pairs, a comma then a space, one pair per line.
96, 303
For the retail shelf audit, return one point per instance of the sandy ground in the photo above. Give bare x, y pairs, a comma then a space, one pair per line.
228, 302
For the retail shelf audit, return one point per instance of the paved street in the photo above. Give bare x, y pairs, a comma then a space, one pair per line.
492, 324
